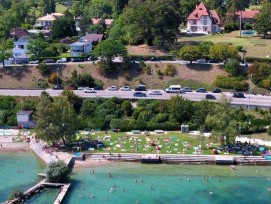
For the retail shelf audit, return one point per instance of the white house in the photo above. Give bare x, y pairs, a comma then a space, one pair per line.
80, 47
203, 21
19, 50
24, 119
47, 21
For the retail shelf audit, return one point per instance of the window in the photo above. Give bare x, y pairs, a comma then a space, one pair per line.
21, 46
204, 22
194, 22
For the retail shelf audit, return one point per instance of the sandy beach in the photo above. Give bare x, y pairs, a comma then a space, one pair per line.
90, 163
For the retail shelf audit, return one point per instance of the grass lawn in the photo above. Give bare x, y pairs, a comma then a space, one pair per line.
173, 142
255, 46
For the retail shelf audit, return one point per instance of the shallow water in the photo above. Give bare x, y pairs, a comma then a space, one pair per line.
29, 166
47, 196
244, 185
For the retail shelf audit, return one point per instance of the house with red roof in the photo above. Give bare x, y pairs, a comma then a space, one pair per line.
248, 16
203, 21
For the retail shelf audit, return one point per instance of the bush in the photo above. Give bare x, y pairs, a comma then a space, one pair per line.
43, 69
232, 67
231, 26
160, 74
239, 48
170, 70
247, 26
104, 68
57, 172
53, 78
147, 70
231, 83
257, 59
17, 193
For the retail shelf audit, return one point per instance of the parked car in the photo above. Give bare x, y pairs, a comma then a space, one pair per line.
212, 61
112, 88
216, 90
34, 62
140, 87
155, 92
139, 94
201, 90
90, 90
125, 88
238, 95
22, 62
201, 61
62, 60
98, 88
82, 88
72, 87
210, 96
140, 59
186, 89
58, 87
92, 58
49, 61
77, 60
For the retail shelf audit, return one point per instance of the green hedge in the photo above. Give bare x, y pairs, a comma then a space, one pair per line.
231, 83
148, 57
257, 59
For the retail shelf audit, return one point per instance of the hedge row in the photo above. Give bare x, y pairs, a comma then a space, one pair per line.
257, 59
148, 57
231, 83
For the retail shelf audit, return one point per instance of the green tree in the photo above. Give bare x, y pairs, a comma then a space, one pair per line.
67, 25
269, 130
263, 20
223, 52
108, 49
48, 6
127, 108
232, 67
37, 47
56, 120
57, 172
16, 193
5, 50
190, 53
223, 122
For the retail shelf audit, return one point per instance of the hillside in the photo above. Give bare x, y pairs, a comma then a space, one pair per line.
187, 75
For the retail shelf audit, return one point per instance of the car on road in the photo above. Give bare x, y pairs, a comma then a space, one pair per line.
216, 90
112, 88
92, 58
58, 87
82, 88
98, 88
186, 89
155, 92
154, 59
201, 61
238, 95
140, 87
77, 60
72, 87
174, 89
90, 90
139, 94
125, 88
62, 60
210, 96
212, 61
34, 62
201, 90
22, 62
49, 61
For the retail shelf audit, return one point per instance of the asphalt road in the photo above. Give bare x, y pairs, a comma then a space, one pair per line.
250, 100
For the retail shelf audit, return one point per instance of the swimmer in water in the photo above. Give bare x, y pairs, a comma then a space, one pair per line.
109, 174
106, 198
136, 181
219, 179
150, 187
141, 181
211, 192
111, 190
137, 202
188, 179
122, 189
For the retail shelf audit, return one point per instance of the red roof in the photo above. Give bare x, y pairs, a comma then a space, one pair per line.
201, 10
247, 13
97, 20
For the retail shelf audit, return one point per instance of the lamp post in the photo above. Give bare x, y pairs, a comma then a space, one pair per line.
57, 82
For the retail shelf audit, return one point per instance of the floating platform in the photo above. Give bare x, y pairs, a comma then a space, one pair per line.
151, 158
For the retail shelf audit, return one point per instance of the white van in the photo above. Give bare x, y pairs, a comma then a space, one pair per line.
174, 89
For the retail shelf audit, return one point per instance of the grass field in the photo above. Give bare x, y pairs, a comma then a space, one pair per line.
255, 46
173, 142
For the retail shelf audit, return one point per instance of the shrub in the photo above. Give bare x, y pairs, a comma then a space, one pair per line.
43, 69
247, 26
230, 83
17, 193
231, 26
104, 68
170, 70
57, 172
239, 48
160, 74
269, 130
232, 67
53, 78
147, 70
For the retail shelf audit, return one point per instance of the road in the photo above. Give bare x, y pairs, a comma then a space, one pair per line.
250, 100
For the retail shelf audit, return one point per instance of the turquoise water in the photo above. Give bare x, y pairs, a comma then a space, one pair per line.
47, 196
244, 185
249, 32
5, 132
29, 166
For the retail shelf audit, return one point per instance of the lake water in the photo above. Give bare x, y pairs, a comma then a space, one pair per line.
247, 184
10, 179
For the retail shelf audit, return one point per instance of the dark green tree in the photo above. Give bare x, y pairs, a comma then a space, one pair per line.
127, 108
5, 50
67, 25
223, 52
48, 6
263, 20
37, 47
57, 172
232, 67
